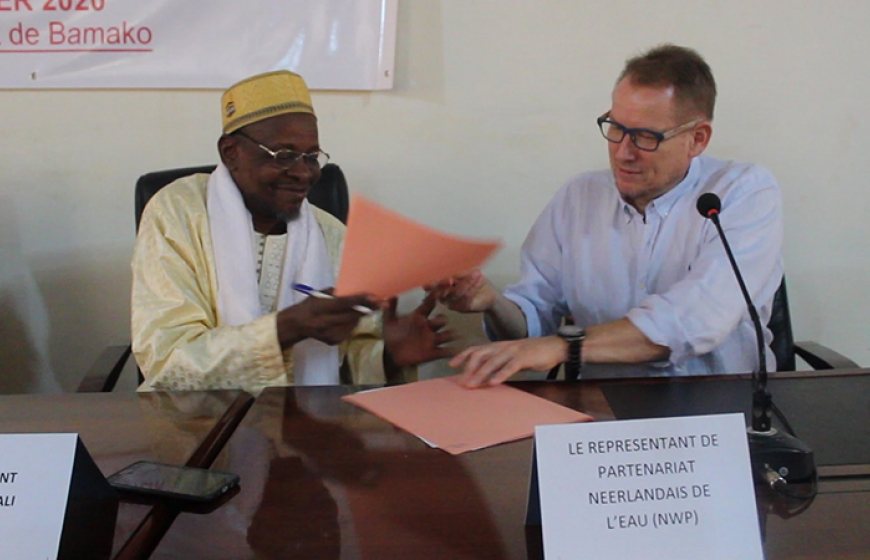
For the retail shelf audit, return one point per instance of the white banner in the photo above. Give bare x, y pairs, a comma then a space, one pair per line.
333, 44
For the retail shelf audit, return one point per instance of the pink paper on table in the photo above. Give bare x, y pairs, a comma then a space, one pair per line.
386, 254
447, 415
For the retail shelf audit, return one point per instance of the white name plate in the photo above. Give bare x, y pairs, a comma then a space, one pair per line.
35, 474
676, 488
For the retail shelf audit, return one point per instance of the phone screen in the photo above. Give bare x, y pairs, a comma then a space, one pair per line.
174, 481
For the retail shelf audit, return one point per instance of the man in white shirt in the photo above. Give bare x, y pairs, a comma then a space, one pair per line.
626, 255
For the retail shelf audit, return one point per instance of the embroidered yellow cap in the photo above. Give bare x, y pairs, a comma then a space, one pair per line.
262, 96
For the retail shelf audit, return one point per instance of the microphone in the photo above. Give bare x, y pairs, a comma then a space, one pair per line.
777, 457
709, 206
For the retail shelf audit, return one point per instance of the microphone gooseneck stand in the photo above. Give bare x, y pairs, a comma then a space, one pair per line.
777, 458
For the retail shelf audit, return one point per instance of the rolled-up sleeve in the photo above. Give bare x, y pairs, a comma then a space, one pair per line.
697, 313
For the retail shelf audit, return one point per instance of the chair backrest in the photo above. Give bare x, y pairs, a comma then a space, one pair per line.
147, 185
782, 344
329, 193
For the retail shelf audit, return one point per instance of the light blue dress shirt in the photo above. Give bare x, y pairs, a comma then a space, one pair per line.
594, 257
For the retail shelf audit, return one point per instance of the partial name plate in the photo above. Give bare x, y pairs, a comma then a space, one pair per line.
35, 474
676, 488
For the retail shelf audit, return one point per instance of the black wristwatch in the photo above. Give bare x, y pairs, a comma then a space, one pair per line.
573, 335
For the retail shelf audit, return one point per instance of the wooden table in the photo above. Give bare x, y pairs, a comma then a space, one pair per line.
118, 429
324, 479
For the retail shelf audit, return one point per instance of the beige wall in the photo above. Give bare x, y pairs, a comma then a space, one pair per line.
494, 107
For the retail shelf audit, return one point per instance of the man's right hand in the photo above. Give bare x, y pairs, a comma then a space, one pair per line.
328, 320
494, 363
473, 293
467, 293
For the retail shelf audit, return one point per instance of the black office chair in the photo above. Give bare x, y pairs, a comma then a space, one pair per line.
330, 193
784, 348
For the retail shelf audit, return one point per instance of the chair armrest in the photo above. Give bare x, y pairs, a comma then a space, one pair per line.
822, 357
103, 375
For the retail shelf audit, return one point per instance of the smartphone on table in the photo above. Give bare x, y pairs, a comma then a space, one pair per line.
173, 481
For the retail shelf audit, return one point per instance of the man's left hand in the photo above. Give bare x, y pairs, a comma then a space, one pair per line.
415, 338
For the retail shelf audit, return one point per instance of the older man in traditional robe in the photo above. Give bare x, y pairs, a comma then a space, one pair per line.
217, 255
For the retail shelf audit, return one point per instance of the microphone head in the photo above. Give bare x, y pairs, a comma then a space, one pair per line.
709, 204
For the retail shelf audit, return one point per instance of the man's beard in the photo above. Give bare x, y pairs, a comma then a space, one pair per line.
289, 216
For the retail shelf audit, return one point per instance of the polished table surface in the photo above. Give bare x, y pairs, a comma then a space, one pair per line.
118, 429
324, 479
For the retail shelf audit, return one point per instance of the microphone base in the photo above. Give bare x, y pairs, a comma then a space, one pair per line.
788, 456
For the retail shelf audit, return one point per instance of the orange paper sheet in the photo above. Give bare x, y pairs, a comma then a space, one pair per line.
446, 415
386, 254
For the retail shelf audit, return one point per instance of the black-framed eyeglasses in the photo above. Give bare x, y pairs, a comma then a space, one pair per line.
288, 158
643, 138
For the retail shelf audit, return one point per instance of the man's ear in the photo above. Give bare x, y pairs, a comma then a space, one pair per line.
701, 138
228, 148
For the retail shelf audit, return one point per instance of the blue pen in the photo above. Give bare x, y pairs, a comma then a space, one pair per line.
309, 291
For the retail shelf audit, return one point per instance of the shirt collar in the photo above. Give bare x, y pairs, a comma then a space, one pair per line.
663, 204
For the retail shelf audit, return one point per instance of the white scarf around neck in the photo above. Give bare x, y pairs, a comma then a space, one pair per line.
306, 261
